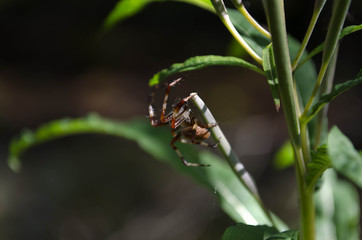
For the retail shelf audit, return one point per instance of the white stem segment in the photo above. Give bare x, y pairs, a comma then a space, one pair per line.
224, 147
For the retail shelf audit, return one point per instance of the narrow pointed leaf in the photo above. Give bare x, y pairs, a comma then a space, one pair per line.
269, 69
344, 157
205, 4
320, 163
123, 10
219, 179
336, 91
128, 8
201, 62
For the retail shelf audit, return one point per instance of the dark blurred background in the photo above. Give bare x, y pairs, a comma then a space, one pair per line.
55, 63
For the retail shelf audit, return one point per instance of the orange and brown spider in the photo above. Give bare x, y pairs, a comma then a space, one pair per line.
185, 127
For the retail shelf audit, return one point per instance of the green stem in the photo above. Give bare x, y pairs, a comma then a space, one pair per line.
222, 12
335, 26
239, 5
318, 6
326, 88
229, 155
275, 13
307, 209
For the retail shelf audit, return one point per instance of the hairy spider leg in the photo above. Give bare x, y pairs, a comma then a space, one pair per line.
167, 118
201, 143
151, 112
177, 122
181, 112
176, 137
164, 119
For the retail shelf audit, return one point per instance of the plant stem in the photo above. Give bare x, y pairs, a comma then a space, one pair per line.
275, 13
318, 6
229, 155
307, 208
240, 6
326, 88
222, 12
335, 26
224, 146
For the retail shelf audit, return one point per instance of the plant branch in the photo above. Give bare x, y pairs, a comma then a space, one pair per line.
318, 6
275, 14
335, 26
229, 155
326, 88
222, 13
240, 6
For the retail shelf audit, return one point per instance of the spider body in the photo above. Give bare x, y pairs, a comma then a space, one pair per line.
184, 126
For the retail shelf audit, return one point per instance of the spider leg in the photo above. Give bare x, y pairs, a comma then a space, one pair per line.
181, 112
151, 109
167, 118
176, 137
205, 144
176, 122
210, 125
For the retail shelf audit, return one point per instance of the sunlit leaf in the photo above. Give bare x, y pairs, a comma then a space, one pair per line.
128, 8
234, 198
337, 209
336, 91
205, 4
200, 62
347, 211
320, 163
247, 232
125, 9
346, 31
271, 74
344, 157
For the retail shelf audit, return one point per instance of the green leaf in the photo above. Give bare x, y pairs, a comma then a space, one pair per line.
320, 163
287, 235
205, 4
200, 62
284, 157
247, 232
271, 74
127, 8
219, 179
123, 10
344, 157
346, 31
347, 211
250, 34
337, 209
336, 91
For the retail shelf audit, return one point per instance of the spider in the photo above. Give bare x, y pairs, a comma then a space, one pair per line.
184, 126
